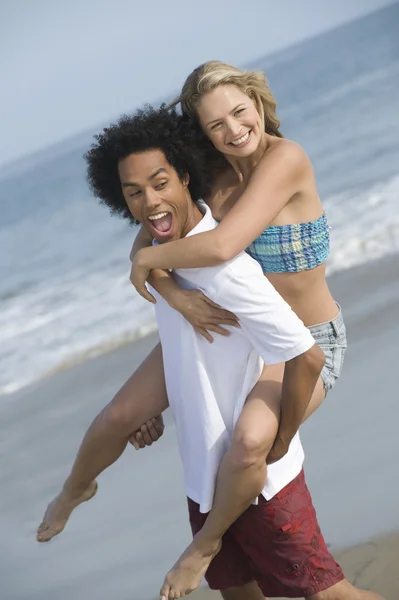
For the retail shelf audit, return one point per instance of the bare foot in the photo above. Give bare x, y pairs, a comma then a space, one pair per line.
59, 511
187, 573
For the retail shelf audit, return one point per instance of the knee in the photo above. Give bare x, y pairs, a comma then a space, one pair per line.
249, 449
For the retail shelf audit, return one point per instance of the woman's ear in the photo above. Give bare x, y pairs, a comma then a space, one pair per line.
186, 180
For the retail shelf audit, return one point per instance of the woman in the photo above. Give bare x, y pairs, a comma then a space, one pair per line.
264, 195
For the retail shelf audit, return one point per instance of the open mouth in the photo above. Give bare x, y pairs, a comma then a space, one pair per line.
242, 141
161, 223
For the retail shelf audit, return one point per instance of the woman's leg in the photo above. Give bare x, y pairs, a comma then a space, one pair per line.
242, 473
241, 477
140, 399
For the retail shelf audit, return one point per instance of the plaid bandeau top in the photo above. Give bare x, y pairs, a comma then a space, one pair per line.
292, 248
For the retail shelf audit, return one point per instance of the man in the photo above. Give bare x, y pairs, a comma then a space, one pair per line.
273, 547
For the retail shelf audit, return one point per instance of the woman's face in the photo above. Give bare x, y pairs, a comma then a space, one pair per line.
231, 121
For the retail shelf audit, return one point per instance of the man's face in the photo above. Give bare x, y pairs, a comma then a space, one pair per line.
156, 196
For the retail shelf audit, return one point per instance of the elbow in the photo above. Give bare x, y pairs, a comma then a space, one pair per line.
315, 360
222, 251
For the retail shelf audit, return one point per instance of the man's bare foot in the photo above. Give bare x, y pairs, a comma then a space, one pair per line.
59, 511
187, 573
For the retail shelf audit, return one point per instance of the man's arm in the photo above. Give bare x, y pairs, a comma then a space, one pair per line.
204, 315
279, 336
300, 378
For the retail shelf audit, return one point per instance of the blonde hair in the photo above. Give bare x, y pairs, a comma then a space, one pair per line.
211, 74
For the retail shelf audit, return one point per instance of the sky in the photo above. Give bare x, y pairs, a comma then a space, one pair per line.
67, 66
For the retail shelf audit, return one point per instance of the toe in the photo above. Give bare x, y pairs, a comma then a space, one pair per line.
42, 527
164, 593
47, 534
42, 534
173, 594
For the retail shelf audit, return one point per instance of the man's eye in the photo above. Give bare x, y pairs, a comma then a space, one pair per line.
134, 194
161, 185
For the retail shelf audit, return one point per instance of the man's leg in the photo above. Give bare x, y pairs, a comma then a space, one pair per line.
282, 540
141, 398
230, 571
345, 591
250, 591
241, 477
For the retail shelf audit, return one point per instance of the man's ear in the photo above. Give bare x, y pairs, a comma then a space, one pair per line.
186, 180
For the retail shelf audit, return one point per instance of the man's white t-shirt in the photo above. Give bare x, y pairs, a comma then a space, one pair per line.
208, 384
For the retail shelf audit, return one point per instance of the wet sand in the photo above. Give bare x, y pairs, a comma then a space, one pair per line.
121, 544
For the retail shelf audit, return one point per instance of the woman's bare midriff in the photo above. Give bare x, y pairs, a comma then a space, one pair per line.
307, 293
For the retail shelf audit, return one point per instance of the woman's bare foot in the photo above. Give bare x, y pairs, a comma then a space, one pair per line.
59, 511
187, 573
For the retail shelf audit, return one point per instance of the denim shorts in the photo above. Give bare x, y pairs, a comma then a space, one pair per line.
331, 337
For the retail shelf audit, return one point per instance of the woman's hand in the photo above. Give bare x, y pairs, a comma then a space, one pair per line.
139, 275
202, 313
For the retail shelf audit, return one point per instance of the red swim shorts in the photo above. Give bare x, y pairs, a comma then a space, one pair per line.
277, 543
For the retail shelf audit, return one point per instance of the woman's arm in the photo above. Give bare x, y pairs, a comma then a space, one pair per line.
275, 180
142, 240
161, 280
201, 312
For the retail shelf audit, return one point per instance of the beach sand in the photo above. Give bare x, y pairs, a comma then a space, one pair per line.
121, 544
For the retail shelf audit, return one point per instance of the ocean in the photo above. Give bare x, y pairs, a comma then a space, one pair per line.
64, 269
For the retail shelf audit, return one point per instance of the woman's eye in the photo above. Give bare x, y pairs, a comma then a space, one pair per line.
240, 110
134, 194
215, 126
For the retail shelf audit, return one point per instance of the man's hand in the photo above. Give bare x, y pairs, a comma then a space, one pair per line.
203, 314
148, 433
278, 450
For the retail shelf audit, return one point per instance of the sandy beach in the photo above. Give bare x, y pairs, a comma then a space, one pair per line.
121, 544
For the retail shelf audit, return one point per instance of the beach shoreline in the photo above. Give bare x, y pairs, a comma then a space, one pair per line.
337, 280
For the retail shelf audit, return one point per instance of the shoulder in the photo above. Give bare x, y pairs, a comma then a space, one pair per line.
243, 272
285, 156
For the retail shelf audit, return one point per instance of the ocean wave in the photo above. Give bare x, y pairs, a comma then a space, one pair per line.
365, 225
91, 352
61, 320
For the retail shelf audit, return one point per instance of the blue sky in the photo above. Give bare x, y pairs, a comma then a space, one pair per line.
68, 66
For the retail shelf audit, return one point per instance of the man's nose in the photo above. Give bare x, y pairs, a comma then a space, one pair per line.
152, 199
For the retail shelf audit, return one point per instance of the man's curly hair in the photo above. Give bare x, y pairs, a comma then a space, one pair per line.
146, 129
